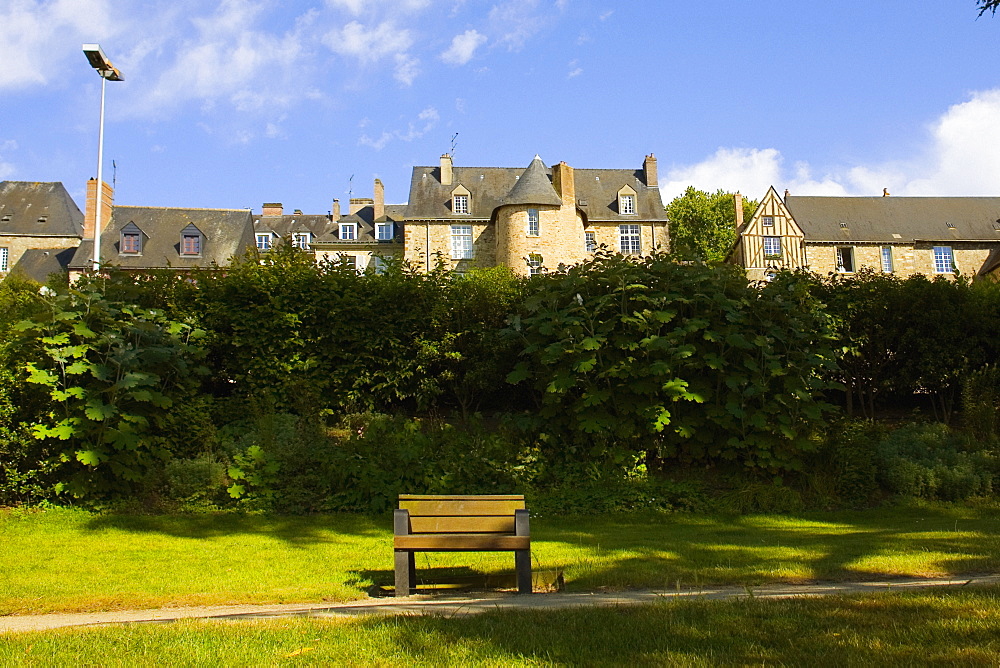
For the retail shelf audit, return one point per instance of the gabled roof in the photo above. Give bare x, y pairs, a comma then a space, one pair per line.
365, 220
38, 209
227, 233
534, 186
880, 219
493, 187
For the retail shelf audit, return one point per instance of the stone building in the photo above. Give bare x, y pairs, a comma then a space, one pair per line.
530, 218
38, 223
899, 235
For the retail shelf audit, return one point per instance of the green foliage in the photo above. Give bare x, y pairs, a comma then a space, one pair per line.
199, 479
582, 495
703, 225
981, 403
761, 496
930, 461
111, 370
854, 460
630, 358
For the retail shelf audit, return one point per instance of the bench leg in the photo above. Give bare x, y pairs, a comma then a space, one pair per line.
522, 562
405, 576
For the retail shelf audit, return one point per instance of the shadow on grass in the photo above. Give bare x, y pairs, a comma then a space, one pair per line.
296, 531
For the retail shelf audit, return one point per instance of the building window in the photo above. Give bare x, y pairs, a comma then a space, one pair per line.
532, 222
130, 242
348, 261
887, 259
461, 242
302, 239
590, 242
4, 258
626, 204
348, 232
461, 204
944, 260
772, 247
191, 244
384, 231
534, 264
767, 221
381, 266
628, 239
845, 259
264, 241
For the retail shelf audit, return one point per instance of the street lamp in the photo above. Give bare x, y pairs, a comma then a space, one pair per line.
108, 72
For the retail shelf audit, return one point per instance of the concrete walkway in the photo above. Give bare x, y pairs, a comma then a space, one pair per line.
424, 604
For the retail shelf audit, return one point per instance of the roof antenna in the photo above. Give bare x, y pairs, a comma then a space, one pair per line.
454, 142
350, 187
114, 174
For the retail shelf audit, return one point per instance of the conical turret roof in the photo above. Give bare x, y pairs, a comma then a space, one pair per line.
534, 187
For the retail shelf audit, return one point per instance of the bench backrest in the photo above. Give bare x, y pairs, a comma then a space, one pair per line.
435, 513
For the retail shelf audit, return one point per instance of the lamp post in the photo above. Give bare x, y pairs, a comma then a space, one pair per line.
108, 72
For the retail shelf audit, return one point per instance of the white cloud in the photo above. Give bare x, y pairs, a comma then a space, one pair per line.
463, 47
515, 21
369, 44
574, 71
358, 7
39, 35
961, 158
7, 168
424, 123
407, 69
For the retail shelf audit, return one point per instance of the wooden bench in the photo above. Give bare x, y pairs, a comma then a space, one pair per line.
435, 523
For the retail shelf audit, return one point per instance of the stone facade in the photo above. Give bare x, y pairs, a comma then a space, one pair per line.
36, 216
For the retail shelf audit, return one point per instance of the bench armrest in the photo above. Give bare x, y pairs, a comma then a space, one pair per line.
521, 527
401, 522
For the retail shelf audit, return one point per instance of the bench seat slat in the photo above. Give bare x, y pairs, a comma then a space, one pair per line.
458, 542
460, 508
461, 497
462, 524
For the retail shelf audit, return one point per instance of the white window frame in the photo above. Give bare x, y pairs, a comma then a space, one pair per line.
301, 240
767, 221
263, 240
460, 204
590, 242
4, 258
533, 223
626, 205
630, 239
842, 266
944, 260
348, 232
384, 232
772, 248
888, 265
461, 242
534, 264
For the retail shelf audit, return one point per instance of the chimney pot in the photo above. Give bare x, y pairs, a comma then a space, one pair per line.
787, 193
335, 211
885, 192
649, 171
272, 209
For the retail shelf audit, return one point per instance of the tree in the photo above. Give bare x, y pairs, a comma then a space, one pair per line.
703, 225
991, 5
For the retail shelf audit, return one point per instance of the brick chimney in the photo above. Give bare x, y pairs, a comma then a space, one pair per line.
562, 181
335, 211
649, 170
446, 170
90, 210
272, 209
379, 208
738, 202
355, 204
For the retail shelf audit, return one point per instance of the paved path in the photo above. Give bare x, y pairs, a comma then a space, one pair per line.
455, 605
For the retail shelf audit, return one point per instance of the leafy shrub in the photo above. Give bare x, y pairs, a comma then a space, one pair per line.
763, 497
198, 479
616, 495
930, 461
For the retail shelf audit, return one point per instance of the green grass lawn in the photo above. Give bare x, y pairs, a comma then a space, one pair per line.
941, 627
70, 560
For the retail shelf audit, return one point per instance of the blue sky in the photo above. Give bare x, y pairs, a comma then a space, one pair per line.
234, 103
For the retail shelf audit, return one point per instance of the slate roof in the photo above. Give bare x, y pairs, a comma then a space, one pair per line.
364, 218
38, 210
225, 233
877, 219
534, 186
492, 187
40, 263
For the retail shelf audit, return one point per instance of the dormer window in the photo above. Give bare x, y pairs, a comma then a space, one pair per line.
626, 201
533, 229
131, 240
191, 241
263, 241
301, 240
384, 231
461, 204
348, 232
